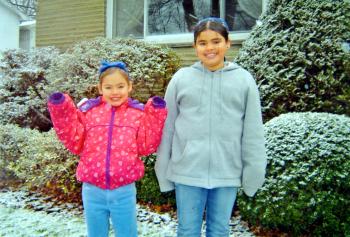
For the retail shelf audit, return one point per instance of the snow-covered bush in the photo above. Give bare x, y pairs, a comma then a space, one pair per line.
22, 100
39, 159
76, 71
300, 57
307, 186
12, 140
148, 188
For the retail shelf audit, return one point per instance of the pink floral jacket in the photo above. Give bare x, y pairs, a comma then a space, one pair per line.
109, 140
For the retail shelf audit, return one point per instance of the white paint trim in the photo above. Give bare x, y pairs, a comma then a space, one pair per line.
109, 19
145, 18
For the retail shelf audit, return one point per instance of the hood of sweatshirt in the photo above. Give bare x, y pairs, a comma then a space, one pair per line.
228, 66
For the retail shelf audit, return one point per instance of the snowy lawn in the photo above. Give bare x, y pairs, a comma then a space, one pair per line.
23, 215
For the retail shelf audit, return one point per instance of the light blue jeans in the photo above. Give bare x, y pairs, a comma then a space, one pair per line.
191, 203
101, 205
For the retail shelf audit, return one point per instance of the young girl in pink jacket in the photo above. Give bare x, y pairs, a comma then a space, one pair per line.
109, 133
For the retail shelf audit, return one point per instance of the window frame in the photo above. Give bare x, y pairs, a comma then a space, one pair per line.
171, 39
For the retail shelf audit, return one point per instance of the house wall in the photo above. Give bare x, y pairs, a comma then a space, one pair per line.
9, 29
65, 22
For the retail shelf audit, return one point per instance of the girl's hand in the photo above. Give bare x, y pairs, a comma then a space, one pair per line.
56, 98
158, 102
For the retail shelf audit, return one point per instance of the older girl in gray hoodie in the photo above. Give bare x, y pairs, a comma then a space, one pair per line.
213, 139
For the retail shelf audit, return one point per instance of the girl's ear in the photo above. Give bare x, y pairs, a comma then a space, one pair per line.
228, 44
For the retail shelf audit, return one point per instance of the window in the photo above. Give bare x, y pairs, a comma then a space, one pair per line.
167, 19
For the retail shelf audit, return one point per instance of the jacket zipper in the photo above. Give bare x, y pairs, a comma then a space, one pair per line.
109, 144
210, 126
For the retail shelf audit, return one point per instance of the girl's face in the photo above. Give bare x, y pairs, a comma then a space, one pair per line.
115, 88
211, 48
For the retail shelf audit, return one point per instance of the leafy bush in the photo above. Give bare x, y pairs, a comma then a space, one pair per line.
22, 100
12, 140
307, 186
28, 77
148, 189
39, 159
150, 66
300, 57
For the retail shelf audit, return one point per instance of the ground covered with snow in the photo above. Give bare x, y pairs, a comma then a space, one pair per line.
27, 214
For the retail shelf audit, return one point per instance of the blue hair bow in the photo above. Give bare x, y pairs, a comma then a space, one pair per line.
119, 64
215, 19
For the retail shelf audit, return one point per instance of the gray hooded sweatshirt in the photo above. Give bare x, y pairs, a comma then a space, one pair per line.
213, 135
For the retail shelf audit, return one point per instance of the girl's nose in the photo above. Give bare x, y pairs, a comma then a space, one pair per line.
210, 46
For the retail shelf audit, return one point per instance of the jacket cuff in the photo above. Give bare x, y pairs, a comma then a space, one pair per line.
250, 191
158, 102
56, 98
166, 186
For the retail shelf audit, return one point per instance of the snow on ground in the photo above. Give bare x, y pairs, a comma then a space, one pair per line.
23, 214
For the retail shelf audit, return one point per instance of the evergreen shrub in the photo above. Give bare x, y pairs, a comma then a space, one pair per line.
150, 67
39, 159
22, 99
307, 186
299, 55
12, 141
148, 190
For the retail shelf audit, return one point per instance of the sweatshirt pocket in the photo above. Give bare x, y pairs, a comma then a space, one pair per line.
194, 160
227, 162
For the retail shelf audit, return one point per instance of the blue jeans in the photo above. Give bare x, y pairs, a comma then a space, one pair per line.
191, 203
102, 204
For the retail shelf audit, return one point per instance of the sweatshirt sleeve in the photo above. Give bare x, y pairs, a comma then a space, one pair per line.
67, 121
151, 127
164, 149
253, 143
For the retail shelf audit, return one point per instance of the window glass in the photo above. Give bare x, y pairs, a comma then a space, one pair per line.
166, 17
241, 15
128, 18
171, 17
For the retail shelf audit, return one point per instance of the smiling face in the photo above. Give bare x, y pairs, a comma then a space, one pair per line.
115, 88
211, 48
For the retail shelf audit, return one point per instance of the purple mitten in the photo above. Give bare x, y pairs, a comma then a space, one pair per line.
56, 98
158, 102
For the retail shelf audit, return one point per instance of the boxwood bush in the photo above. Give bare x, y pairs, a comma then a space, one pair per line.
12, 141
29, 77
307, 186
22, 99
148, 190
300, 57
39, 159
76, 71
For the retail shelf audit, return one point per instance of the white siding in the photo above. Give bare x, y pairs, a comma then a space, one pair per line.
9, 28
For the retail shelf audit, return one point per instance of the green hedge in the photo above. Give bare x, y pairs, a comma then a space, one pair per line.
300, 57
307, 186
